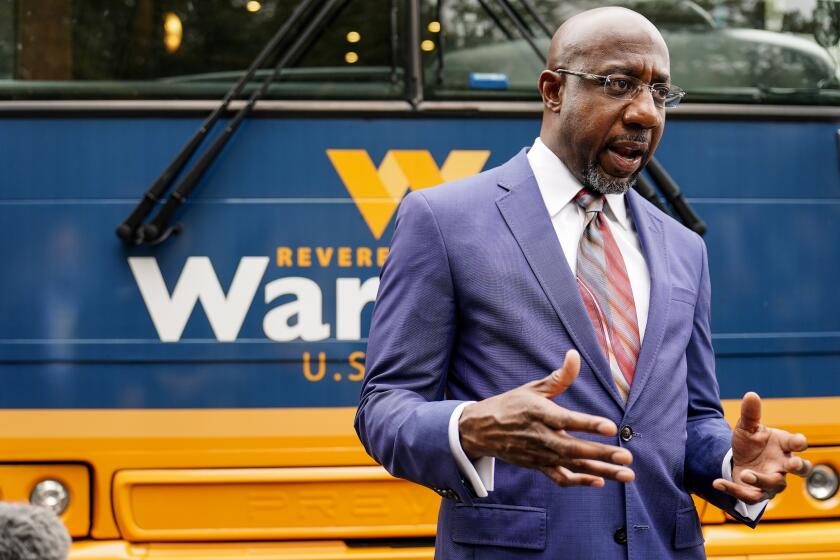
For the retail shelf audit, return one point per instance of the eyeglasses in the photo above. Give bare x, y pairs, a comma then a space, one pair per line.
619, 86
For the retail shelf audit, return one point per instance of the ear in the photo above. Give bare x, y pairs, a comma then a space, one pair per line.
551, 86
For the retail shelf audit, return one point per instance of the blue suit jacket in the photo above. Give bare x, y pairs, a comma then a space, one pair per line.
476, 298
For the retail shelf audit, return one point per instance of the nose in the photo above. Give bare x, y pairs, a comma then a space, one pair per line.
642, 111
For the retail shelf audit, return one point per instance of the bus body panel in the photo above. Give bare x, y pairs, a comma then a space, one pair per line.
101, 355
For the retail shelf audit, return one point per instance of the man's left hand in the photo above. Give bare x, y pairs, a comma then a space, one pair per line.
761, 456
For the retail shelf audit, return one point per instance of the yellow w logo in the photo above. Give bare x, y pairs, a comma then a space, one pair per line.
378, 192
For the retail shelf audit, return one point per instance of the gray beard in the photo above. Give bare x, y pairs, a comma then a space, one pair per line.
595, 178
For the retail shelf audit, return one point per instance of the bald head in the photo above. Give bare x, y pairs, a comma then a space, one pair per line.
604, 137
591, 32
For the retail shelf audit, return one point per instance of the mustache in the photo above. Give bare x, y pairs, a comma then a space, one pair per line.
641, 138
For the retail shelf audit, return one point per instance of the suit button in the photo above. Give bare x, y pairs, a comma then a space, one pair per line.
448, 493
626, 433
620, 536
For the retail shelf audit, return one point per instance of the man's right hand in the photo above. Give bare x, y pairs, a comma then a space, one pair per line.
525, 427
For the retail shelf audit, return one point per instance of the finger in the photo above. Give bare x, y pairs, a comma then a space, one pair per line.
580, 479
793, 442
559, 418
572, 448
564, 477
747, 494
601, 469
798, 466
560, 379
750, 419
770, 483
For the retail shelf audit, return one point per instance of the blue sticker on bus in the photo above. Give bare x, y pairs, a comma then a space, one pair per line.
488, 80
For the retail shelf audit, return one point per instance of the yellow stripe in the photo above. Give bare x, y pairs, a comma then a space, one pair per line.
317, 550
816, 417
788, 541
113, 440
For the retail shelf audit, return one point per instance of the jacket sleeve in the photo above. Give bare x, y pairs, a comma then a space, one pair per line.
709, 436
403, 416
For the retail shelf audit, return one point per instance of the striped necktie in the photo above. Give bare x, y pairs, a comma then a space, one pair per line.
607, 296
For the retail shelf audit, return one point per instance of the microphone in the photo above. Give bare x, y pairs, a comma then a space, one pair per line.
31, 533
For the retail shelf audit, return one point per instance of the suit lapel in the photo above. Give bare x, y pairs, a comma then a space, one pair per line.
524, 212
651, 233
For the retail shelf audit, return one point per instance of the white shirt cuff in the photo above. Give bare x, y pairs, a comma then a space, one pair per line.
479, 473
748, 511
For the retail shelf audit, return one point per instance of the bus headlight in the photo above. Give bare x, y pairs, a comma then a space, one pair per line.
52, 495
822, 482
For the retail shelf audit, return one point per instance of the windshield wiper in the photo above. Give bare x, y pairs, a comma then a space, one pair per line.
492, 15
132, 230
522, 27
672, 193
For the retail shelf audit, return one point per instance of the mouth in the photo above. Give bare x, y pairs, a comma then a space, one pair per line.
623, 158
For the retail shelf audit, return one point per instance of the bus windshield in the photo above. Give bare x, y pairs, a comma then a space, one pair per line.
722, 51
187, 49
741, 51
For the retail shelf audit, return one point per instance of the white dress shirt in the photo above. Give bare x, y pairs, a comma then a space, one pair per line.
558, 188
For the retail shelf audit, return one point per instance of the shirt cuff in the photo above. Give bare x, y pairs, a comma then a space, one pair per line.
751, 512
478, 473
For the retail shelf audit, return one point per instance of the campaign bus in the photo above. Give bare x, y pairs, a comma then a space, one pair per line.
197, 199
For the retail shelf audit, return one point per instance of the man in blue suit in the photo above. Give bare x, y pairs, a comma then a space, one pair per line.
495, 280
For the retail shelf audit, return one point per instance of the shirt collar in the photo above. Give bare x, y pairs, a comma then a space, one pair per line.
618, 206
558, 186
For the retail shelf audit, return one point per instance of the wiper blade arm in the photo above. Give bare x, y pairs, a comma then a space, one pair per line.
129, 229
158, 229
529, 6
521, 27
644, 188
675, 198
492, 15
